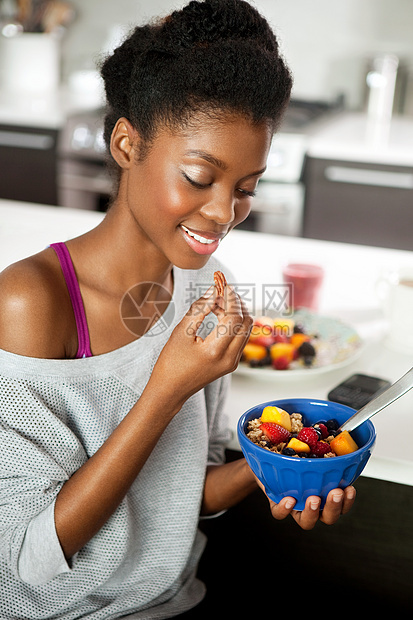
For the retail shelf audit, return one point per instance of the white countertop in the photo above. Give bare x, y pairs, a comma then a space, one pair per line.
349, 293
352, 137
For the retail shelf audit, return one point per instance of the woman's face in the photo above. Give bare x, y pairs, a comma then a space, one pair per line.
195, 185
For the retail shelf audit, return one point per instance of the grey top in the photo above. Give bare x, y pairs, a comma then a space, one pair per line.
54, 414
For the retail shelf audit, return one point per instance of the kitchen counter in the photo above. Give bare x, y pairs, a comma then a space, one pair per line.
349, 293
353, 137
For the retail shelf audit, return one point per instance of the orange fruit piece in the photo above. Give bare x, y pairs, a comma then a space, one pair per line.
298, 339
277, 416
282, 349
298, 446
343, 444
253, 352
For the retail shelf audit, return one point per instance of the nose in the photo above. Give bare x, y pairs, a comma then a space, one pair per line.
220, 209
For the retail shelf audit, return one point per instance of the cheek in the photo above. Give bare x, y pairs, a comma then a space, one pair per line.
242, 211
168, 197
175, 204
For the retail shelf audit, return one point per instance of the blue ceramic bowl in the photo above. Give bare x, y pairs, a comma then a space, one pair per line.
284, 476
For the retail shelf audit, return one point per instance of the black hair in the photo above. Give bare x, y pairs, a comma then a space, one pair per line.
212, 56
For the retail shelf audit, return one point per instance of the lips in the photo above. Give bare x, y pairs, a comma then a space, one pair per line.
198, 237
201, 243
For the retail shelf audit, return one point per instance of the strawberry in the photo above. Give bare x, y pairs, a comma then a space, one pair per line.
281, 363
308, 434
274, 432
323, 428
321, 448
281, 338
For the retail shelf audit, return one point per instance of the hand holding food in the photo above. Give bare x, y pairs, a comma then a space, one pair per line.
296, 451
197, 361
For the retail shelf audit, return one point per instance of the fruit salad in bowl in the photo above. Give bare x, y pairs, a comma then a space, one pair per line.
295, 448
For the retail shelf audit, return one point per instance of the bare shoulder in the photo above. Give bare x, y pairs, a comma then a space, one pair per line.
35, 312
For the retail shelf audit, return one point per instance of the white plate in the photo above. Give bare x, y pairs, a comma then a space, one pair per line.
338, 345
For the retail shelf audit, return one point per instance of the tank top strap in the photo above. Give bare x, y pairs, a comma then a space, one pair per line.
72, 284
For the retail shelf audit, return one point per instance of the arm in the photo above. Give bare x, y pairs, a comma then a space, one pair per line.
226, 485
91, 495
28, 327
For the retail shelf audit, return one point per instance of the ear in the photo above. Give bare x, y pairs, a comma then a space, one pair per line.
123, 143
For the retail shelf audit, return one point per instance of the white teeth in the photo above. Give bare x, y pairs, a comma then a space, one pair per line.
197, 237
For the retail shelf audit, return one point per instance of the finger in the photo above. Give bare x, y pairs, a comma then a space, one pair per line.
229, 313
349, 499
241, 332
247, 321
233, 327
283, 508
308, 517
197, 312
333, 506
227, 304
233, 309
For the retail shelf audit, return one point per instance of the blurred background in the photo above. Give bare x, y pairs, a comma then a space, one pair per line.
340, 168
328, 45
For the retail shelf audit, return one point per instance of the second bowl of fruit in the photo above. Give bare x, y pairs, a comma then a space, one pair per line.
295, 449
279, 343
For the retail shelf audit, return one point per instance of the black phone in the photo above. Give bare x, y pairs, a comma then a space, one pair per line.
358, 390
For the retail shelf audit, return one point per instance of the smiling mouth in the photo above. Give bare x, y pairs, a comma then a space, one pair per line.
203, 240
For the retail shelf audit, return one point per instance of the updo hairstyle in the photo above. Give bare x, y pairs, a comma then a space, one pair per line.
212, 56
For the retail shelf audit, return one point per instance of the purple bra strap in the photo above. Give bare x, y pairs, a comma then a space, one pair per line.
76, 299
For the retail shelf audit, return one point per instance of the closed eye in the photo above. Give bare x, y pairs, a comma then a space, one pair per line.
250, 194
195, 183
191, 181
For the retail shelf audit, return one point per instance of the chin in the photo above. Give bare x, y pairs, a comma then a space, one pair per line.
194, 263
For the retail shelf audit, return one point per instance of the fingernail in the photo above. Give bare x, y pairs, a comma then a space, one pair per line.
337, 497
351, 493
289, 504
314, 505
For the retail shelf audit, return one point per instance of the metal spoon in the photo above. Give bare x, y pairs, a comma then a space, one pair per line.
400, 387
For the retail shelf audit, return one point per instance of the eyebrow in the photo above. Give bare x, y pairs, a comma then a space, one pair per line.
218, 162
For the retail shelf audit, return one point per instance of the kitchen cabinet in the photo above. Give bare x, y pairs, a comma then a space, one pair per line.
359, 202
28, 163
358, 177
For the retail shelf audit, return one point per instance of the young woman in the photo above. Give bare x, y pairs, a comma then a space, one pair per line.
112, 433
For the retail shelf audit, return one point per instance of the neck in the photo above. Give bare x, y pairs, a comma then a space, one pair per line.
119, 255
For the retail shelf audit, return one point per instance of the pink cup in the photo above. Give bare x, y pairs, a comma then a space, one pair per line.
306, 283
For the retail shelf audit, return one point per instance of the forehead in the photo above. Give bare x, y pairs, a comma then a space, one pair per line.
230, 138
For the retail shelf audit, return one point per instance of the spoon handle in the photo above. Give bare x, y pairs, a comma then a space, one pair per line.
400, 387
